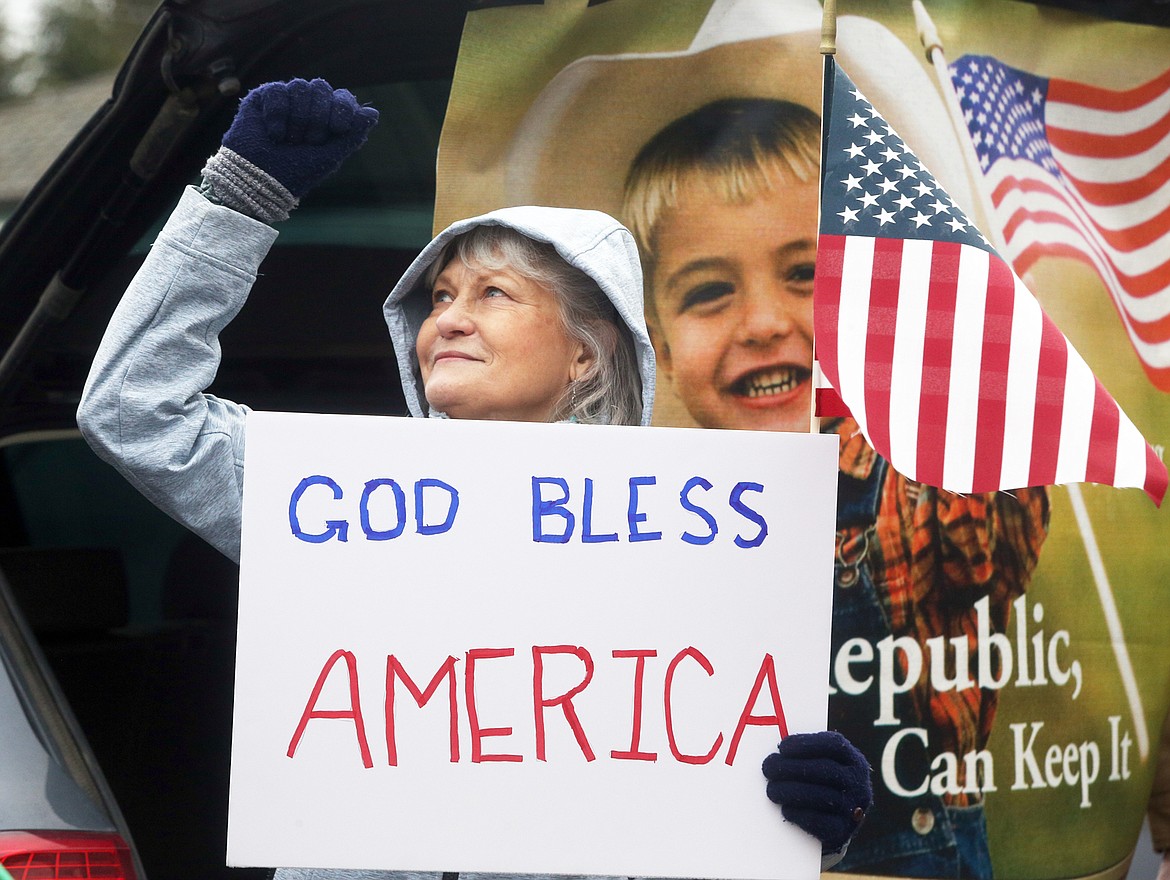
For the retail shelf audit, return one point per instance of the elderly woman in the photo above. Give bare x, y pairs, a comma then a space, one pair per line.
527, 314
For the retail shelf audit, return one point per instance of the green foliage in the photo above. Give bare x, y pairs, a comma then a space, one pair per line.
78, 39
82, 37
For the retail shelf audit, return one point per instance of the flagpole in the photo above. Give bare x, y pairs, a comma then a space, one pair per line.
828, 50
928, 34
1112, 618
931, 42
829, 28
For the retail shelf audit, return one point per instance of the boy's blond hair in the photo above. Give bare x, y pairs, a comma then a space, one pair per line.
736, 148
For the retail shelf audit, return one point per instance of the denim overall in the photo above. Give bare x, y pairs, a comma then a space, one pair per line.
909, 837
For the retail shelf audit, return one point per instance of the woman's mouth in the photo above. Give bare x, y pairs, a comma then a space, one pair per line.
770, 382
453, 356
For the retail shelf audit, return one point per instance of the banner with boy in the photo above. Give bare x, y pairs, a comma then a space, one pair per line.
976, 653
572, 660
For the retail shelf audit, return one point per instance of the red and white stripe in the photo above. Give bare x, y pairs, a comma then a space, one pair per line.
827, 403
933, 338
1112, 209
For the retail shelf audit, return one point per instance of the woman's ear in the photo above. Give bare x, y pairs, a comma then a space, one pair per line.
583, 362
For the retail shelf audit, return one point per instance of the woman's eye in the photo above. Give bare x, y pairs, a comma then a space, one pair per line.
440, 296
705, 294
493, 292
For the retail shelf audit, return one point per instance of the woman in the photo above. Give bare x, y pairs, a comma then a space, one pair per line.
533, 314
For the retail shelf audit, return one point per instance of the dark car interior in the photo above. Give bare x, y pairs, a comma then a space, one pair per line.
135, 615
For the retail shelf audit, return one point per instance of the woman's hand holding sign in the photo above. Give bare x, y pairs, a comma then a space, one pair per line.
822, 784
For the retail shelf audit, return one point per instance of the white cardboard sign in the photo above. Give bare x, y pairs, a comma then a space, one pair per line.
518, 648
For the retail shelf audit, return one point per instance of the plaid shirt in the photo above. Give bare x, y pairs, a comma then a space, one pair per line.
936, 555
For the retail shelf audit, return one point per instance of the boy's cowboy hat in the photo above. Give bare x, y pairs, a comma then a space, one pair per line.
575, 143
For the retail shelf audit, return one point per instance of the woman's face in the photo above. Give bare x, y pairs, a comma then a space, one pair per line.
493, 346
733, 288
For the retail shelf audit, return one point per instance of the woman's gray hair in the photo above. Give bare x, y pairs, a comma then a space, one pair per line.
610, 390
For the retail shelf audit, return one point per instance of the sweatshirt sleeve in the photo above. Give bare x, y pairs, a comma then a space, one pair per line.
143, 408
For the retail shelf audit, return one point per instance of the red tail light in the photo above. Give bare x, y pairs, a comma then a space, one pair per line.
64, 855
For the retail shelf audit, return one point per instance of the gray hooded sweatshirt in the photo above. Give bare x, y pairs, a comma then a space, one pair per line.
144, 408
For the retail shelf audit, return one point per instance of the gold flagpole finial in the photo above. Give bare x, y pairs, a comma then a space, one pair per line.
829, 28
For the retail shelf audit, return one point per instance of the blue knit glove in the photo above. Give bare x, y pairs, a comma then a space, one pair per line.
299, 131
821, 782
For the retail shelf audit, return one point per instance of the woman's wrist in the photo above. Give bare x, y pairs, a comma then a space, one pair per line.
232, 181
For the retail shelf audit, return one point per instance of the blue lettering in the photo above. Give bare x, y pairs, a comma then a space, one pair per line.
336, 527
741, 508
587, 536
694, 508
452, 508
635, 516
542, 508
399, 509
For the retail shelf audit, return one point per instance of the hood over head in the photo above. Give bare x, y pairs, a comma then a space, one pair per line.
591, 241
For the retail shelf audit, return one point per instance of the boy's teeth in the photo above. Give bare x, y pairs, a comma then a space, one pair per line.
778, 381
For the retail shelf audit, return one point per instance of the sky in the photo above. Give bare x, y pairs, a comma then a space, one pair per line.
21, 18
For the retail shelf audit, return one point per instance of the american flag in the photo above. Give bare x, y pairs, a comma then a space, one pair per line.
1080, 171
945, 359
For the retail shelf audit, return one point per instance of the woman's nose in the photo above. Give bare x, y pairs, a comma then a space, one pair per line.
455, 319
765, 316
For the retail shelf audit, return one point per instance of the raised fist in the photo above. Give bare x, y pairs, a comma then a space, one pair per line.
299, 131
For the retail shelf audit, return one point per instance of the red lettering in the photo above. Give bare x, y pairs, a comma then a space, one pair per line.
751, 715
767, 672
698, 657
478, 734
565, 700
635, 753
353, 713
394, 670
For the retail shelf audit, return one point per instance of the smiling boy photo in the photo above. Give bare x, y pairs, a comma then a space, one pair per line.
723, 202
